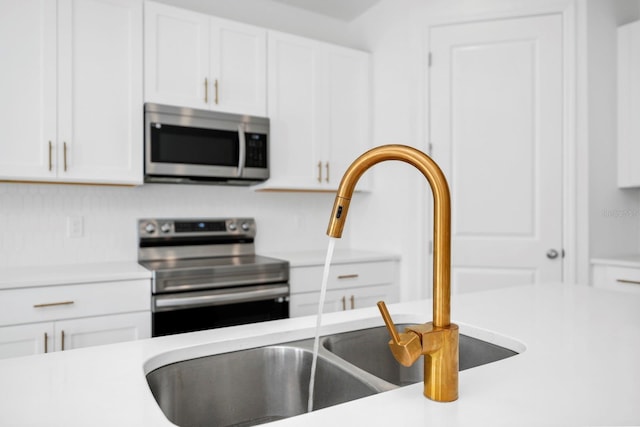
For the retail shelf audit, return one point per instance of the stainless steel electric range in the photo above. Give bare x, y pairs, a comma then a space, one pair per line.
206, 274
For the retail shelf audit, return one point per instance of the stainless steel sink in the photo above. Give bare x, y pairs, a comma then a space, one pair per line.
251, 387
255, 386
368, 350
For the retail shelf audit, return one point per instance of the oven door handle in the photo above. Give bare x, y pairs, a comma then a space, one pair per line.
219, 297
242, 152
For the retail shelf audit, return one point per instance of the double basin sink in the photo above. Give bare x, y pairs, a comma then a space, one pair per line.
259, 385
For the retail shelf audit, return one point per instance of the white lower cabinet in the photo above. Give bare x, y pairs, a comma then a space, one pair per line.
350, 286
616, 277
340, 300
24, 340
56, 318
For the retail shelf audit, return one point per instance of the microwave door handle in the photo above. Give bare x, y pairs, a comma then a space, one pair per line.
243, 150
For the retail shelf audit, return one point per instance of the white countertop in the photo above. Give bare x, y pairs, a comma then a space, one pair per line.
26, 277
340, 256
580, 365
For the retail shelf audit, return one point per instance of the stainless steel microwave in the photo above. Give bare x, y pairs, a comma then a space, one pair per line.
189, 146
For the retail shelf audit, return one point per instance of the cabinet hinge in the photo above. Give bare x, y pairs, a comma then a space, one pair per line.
430, 149
430, 246
429, 59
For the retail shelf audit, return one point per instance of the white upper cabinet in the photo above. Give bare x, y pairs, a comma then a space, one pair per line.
629, 105
319, 112
199, 61
71, 108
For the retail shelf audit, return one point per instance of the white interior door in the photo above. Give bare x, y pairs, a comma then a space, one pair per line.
496, 125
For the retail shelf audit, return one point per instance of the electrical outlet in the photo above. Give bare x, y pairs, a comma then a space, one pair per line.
75, 226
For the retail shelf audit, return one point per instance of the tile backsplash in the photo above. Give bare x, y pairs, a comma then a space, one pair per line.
35, 219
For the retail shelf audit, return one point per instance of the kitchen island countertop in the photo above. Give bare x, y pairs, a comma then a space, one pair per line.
579, 365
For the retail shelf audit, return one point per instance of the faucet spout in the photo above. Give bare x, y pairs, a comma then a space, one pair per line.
441, 218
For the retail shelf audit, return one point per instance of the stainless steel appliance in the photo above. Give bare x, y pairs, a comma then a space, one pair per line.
206, 274
189, 146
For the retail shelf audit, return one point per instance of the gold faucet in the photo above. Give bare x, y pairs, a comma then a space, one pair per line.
436, 340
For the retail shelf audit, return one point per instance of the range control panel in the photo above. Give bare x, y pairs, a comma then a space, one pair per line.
166, 228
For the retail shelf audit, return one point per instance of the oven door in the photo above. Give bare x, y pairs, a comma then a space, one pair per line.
194, 311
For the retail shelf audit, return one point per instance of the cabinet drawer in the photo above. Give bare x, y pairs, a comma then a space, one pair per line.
70, 301
625, 279
309, 279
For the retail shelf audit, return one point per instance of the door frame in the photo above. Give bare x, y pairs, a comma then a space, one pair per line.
575, 267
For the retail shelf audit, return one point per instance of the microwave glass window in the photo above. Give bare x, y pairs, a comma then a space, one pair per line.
187, 145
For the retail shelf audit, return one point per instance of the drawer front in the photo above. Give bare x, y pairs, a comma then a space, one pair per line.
342, 276
51, 303
624, 279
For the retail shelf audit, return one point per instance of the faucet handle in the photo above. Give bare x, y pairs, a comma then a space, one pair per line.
405, 347
388, 322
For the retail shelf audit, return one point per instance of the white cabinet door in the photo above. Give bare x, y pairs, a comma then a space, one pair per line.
25, 340
78, 333
348, 114
294, 87
100, 91
629, 105
28, 88
319, 111
176, 56
238, 68
307, 304
341, 299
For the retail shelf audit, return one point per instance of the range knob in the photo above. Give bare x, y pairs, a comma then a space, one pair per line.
245, 226
165, 228
232, 226
150, 228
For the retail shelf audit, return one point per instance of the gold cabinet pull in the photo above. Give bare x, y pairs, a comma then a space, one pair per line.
206, 90
62, 340
215, 86
52, 304
46, 343
344, 303
353, 302
319, 171
348, 276
327, 167
50, 158
64, 145
632, 282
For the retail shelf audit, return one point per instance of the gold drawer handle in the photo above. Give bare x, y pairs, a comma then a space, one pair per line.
348, 276
633, 282
52, 304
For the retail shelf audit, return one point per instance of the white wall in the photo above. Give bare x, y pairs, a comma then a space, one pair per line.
34, 219
614, 214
